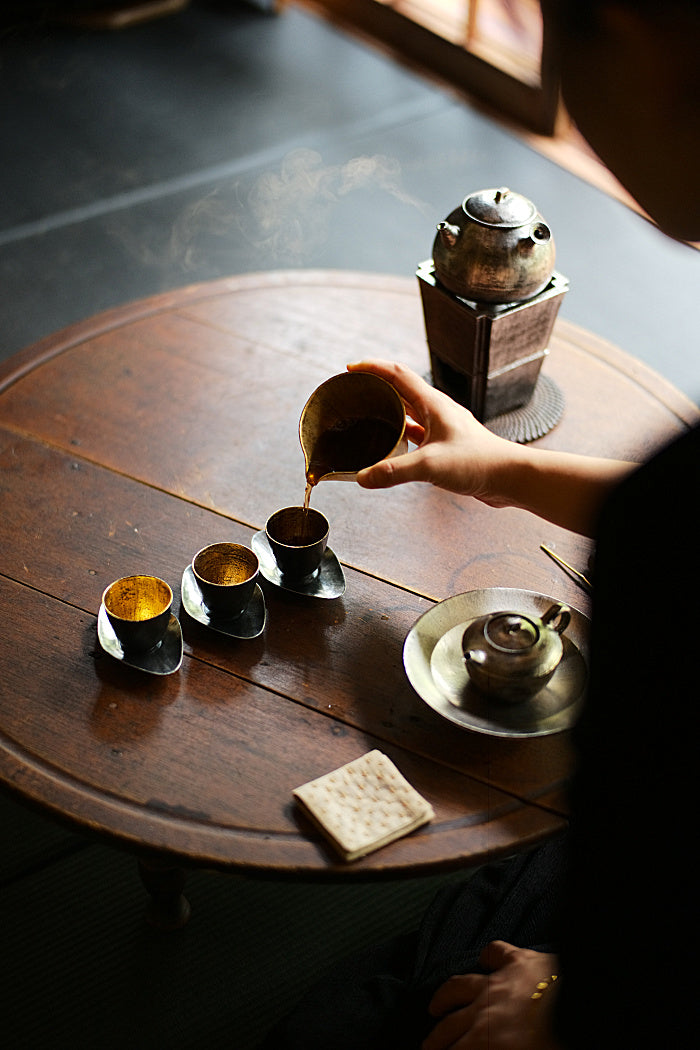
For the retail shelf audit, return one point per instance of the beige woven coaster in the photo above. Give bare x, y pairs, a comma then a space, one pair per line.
363, 805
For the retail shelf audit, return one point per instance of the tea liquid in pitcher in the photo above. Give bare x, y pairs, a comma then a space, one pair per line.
348, 447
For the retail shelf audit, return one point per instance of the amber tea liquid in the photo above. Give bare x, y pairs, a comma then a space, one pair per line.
348, 447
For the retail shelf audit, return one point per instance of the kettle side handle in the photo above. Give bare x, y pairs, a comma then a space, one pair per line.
558, 617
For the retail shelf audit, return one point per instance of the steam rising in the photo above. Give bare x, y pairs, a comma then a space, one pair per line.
285, 214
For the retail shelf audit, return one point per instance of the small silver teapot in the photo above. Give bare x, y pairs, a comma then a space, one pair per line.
511, 656
495, 248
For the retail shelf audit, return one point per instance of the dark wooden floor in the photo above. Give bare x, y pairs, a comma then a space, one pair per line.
220, 140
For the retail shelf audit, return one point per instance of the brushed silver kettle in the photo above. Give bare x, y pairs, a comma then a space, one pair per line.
511, 656
494, 248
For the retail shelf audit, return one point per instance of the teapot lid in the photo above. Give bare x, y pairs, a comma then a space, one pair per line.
499, 207
511, 632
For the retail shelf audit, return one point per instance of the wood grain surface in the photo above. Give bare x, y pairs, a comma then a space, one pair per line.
131, 440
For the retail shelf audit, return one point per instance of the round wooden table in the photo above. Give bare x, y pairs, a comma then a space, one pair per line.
131, 440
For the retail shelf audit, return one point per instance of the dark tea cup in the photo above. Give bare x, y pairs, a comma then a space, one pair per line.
297, 538
226, 574
138, 608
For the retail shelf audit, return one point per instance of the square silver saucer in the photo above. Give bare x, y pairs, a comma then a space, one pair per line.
249, 624
327, 582
166, 658
434, 664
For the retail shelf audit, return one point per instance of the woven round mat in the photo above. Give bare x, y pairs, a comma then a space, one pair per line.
533, 420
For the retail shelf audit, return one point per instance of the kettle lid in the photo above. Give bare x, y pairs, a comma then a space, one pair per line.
499, 207
511, 632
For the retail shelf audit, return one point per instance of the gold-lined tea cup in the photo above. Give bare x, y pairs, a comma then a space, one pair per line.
226, 574
138, 608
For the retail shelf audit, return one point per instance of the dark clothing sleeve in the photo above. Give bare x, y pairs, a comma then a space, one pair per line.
628, 944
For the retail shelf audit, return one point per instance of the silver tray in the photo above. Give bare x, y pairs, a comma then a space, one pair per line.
435, 667
327, 582
249, 624
164, 659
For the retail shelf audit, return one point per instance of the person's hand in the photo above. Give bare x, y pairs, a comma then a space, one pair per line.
455, 452
496, 1011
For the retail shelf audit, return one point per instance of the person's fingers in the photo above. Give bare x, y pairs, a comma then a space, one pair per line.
495, 955
460, 990
411, 466
417, 394
450, 1031
414, 432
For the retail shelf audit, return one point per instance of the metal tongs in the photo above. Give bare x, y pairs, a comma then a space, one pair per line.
578, 577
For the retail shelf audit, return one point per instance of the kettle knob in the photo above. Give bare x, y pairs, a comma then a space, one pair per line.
448, 234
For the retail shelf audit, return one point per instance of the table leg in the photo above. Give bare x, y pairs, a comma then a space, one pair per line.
167, 908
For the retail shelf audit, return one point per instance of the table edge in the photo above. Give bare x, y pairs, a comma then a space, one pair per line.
44, 349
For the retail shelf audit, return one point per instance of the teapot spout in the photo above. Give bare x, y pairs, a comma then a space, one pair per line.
449, 234
540, 234
475, 656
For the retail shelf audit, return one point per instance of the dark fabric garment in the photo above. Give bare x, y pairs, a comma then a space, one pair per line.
626, 870
378, 999
628, 941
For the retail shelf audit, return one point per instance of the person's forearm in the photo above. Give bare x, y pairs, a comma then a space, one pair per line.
561, 487
457, 453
